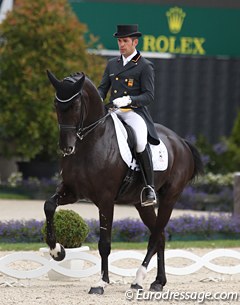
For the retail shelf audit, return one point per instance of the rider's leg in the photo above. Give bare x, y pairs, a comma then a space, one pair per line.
145, 162
143, 153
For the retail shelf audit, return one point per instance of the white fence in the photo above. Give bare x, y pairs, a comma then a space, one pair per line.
47, 265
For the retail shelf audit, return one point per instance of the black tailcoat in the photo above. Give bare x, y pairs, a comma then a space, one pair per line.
135, 79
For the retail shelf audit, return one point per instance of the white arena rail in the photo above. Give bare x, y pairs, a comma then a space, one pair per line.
47, 264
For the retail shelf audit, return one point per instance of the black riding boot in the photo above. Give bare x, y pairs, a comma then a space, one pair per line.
146, 167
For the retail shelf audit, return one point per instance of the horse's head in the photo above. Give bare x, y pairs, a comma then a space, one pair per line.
68, 107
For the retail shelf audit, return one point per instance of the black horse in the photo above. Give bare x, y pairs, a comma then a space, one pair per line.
92, 168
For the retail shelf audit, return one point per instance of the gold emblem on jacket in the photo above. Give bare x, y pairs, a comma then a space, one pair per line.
130, 82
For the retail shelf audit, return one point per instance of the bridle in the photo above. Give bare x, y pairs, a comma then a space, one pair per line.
81, 131
84, 131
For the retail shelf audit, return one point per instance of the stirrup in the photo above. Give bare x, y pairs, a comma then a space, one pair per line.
148, 202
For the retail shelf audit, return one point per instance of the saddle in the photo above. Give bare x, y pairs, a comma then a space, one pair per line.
127, 143
130, 175
131, 140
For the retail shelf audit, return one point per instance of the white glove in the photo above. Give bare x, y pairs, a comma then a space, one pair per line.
122, 101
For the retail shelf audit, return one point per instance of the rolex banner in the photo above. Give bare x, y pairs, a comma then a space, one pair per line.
165, 29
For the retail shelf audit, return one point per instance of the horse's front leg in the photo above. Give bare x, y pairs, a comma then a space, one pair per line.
60, 198
104, 247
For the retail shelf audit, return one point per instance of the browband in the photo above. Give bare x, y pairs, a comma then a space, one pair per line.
65, 101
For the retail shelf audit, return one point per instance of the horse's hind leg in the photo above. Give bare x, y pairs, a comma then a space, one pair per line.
157, 239
148, 217
161, 279
60, 198
156, 243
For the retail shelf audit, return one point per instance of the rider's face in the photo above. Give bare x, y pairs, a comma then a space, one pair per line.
127, 45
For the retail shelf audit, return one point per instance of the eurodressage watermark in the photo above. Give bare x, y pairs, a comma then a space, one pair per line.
200, 297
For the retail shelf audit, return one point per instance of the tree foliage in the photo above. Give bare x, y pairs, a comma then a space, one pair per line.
234, 144
224, 156
36, 36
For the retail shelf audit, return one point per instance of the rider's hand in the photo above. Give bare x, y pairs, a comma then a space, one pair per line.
122, 101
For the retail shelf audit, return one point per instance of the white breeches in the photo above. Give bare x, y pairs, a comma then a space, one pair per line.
139, 126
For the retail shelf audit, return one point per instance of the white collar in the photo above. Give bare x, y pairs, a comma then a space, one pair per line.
129, 58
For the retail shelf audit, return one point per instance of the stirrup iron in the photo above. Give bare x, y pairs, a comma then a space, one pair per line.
148, 202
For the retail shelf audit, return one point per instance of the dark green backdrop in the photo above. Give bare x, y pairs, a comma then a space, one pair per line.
205, 31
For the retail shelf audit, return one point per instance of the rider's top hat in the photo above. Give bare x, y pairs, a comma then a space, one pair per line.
127, 30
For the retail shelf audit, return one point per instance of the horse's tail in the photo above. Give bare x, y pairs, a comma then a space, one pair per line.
198, 164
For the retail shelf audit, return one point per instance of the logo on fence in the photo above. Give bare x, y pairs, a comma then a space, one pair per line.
175, 17
174, 43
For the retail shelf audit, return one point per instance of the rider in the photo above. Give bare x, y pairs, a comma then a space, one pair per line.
131, 78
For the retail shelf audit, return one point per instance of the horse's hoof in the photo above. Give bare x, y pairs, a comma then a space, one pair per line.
156, 287
58, 253
136, 286
96, 290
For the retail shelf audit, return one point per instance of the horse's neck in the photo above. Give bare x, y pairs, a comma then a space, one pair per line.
95, 107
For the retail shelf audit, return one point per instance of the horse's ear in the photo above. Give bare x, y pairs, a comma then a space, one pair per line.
78, 85
54, 81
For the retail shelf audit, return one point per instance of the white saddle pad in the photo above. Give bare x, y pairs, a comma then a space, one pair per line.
159, 152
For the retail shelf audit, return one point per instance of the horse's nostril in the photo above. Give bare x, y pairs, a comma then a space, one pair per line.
68, 150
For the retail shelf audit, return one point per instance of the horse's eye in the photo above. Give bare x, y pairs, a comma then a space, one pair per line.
76, 107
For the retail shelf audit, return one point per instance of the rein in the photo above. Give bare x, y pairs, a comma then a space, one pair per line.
84, 131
